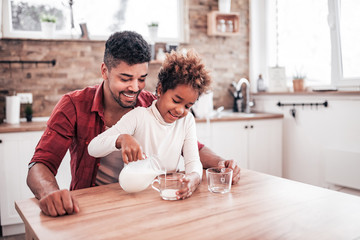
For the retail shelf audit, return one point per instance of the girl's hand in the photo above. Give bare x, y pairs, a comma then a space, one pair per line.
131, 149
190, 183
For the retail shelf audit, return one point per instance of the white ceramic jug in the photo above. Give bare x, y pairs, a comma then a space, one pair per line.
137, 176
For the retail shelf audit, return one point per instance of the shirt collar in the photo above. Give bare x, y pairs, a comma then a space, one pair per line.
157, 114
98, 102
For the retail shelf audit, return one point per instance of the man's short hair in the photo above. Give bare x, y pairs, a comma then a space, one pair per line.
126, 46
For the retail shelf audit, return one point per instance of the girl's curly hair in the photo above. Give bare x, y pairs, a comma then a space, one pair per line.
188, 69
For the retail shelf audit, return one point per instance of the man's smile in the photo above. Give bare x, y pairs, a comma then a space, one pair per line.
129, 95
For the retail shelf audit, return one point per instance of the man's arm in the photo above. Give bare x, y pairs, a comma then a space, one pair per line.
209, 159
52, 201
41, 180
47, 158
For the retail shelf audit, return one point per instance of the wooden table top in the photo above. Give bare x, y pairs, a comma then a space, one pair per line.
259, 207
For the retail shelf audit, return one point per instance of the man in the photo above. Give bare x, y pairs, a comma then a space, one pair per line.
81, 115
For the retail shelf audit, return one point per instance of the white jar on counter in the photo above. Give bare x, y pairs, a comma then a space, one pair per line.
229, 26
160, 56
221, 26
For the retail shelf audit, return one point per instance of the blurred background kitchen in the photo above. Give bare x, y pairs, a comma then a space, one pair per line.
300, 57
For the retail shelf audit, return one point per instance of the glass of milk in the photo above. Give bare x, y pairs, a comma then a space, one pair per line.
169, 184
137, 176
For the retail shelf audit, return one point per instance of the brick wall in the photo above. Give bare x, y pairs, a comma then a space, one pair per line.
226, 57
78, 62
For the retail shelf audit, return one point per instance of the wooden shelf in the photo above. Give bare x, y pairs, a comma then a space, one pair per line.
215, 16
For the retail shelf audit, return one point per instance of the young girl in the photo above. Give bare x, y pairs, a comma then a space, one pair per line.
166, 128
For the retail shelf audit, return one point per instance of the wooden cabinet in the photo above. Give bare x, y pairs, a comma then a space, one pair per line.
230, 20
16, 151
254, 144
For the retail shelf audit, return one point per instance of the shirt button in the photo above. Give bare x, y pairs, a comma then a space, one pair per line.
98, 164
93, 185
86, 143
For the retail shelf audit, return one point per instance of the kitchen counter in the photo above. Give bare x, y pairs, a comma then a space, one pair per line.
233, 116
22, 127
223, 116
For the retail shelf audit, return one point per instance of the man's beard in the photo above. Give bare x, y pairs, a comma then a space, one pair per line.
125, 104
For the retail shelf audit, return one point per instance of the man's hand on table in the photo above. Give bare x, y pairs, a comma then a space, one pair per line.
232, 165
52, 201
58, 203
210, 159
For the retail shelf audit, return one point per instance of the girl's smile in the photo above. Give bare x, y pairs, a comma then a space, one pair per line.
175, 103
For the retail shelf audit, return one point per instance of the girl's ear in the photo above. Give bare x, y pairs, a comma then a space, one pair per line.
158, 90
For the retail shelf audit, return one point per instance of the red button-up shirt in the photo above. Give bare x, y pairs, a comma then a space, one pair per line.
76, 119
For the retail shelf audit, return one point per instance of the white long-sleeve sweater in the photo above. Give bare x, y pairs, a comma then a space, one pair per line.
156, 137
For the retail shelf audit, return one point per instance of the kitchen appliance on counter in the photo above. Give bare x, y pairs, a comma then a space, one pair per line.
12, 109
203, 108
241, 96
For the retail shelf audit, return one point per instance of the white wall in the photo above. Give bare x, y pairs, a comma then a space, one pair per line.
1, 3
307, 137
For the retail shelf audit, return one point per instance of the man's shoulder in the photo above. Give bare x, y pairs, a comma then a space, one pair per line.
85, 93
76, 99
145, 99
82, 97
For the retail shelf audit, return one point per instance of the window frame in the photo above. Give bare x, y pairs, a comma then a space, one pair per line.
1, 15
259, 47
7, 32
337, 76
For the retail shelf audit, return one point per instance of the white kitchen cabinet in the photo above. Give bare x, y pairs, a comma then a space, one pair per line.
16, 151
203, 132
254, 144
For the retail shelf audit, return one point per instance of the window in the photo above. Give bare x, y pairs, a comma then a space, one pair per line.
317, 38
21, 19
350, 37
344, 25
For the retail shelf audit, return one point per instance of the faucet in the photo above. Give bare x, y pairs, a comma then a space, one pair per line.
244, 103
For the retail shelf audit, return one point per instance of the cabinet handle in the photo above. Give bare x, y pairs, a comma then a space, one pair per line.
0, 141
251, 126
246, 127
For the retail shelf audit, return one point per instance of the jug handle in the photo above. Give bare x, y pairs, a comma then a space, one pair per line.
155, 181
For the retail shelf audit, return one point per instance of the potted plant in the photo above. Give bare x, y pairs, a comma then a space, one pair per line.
153, 30
28, 112
48, 25
298, 81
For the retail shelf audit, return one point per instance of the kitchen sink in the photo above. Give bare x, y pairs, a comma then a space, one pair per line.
228, 114
235, 114
221, 114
